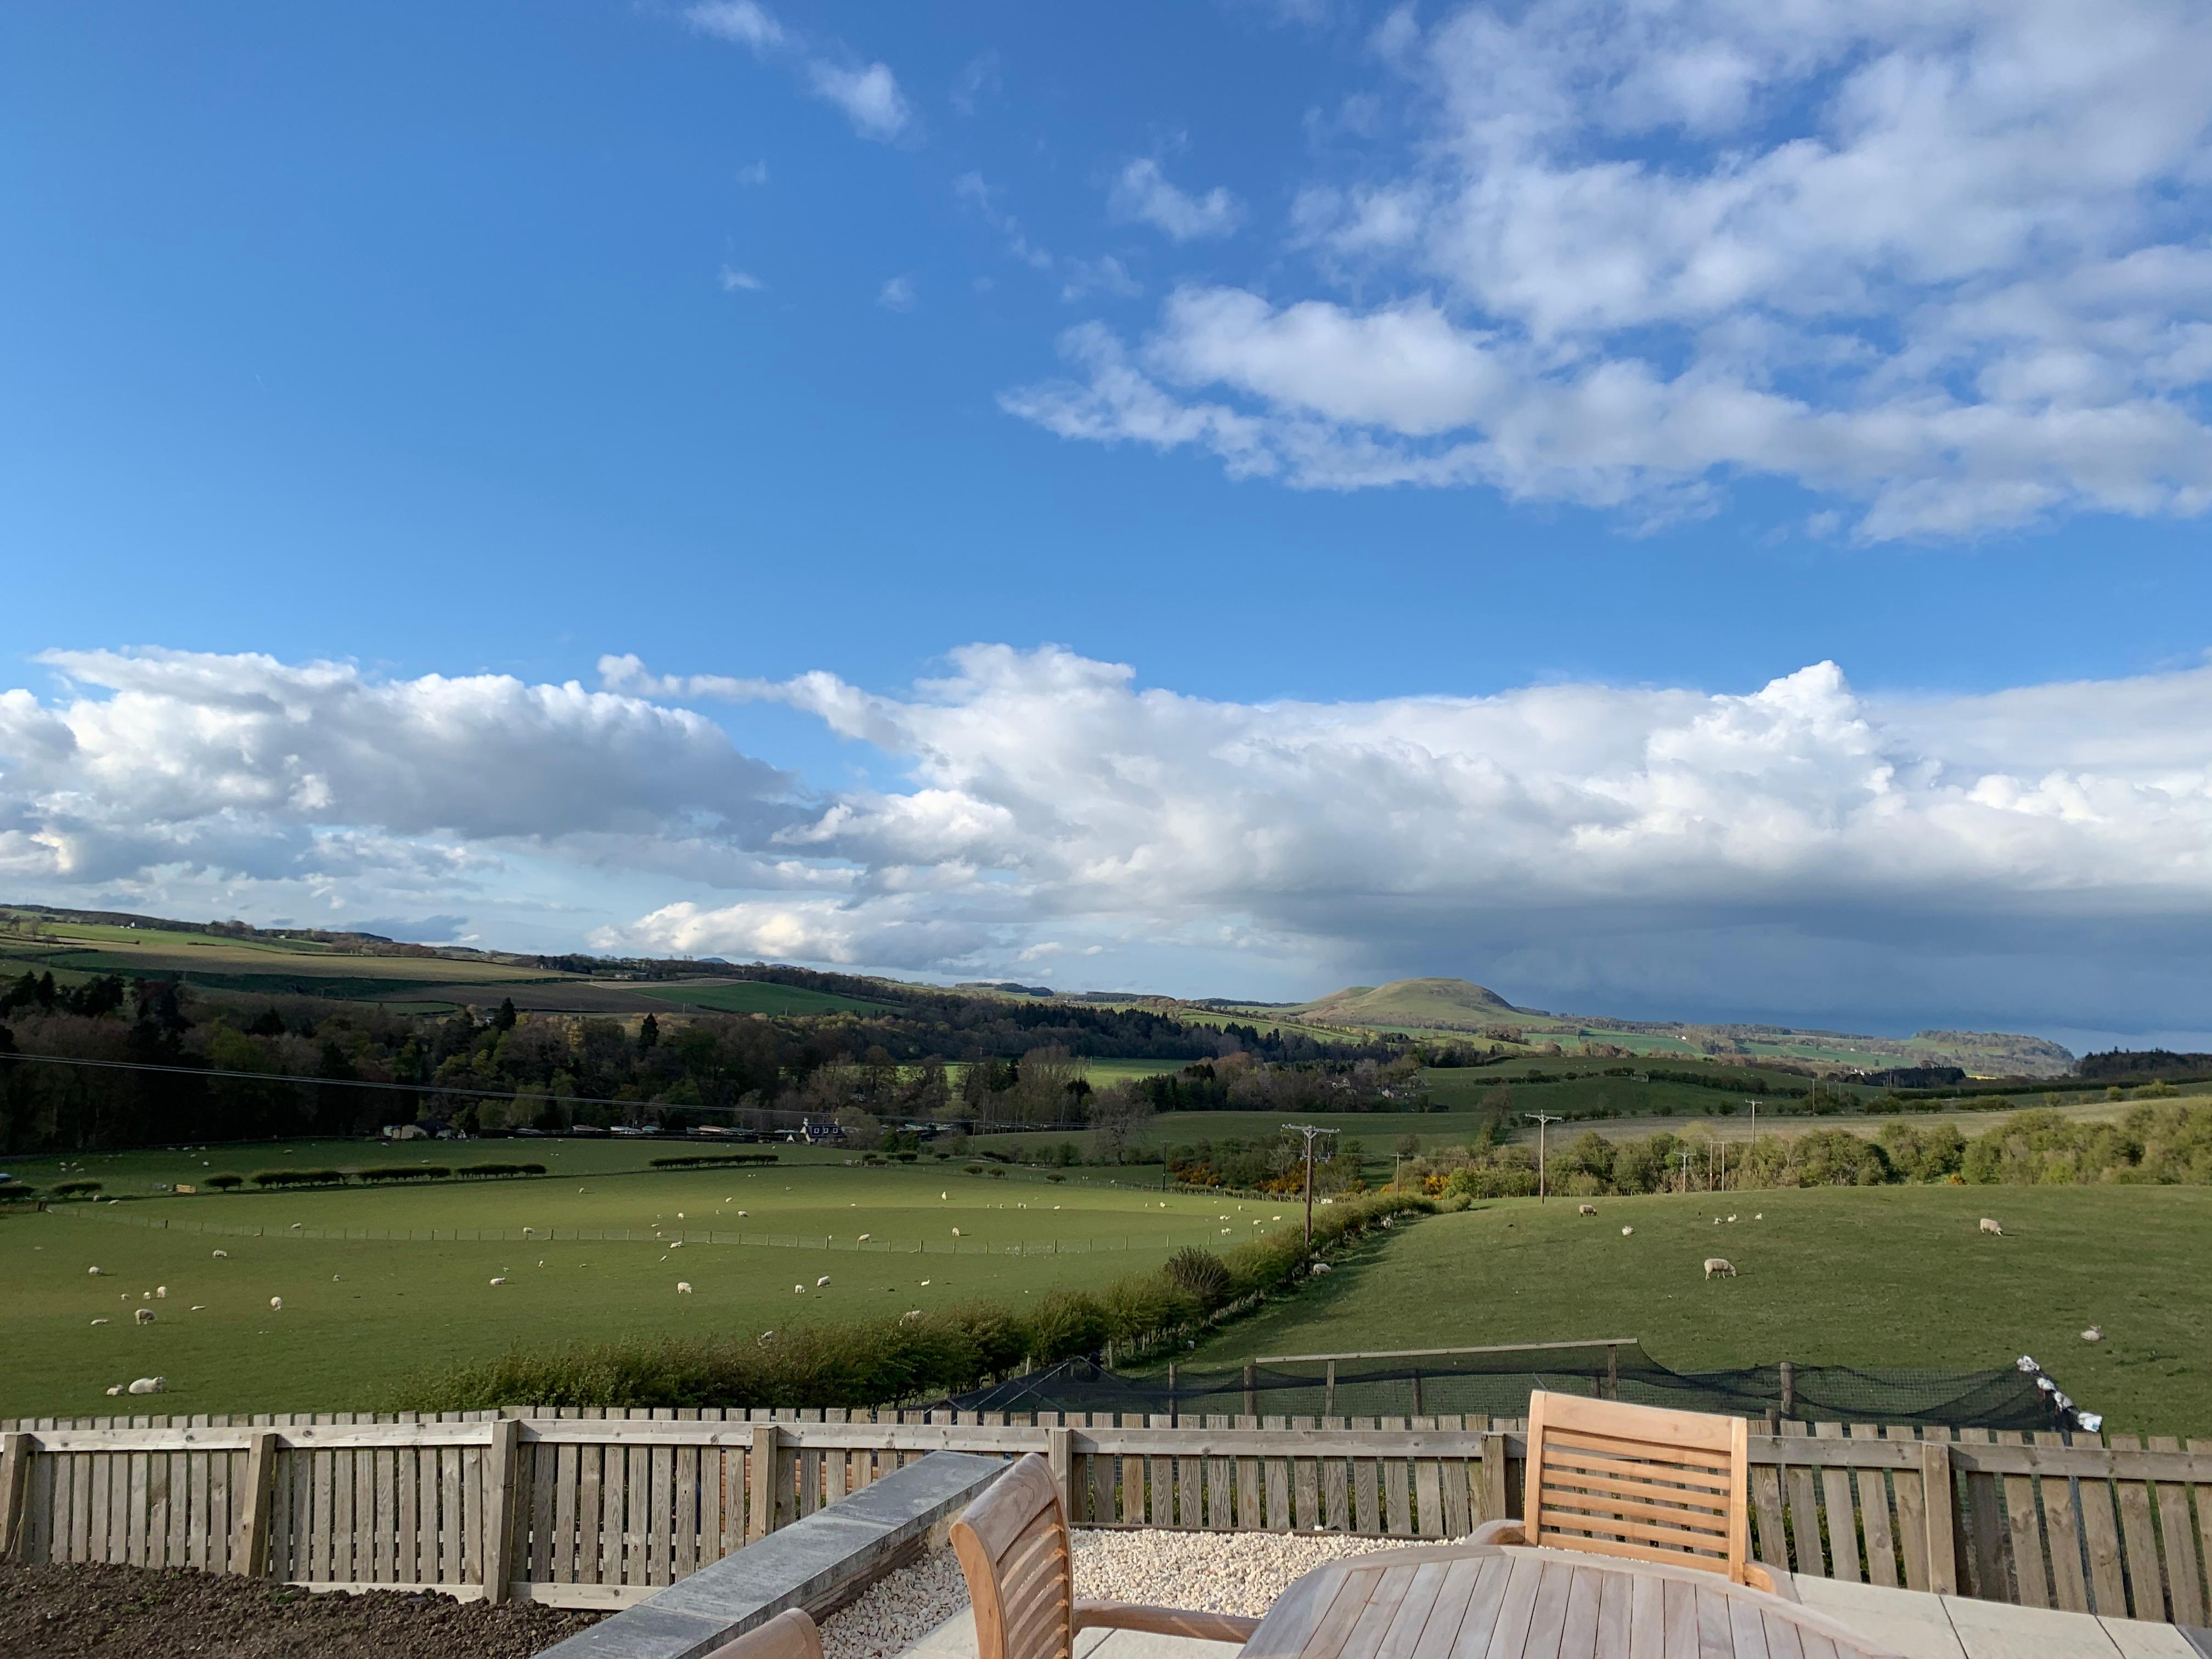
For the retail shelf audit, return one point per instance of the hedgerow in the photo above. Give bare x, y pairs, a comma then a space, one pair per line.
885, 1361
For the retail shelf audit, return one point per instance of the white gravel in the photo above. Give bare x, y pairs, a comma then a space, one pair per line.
1212, 1572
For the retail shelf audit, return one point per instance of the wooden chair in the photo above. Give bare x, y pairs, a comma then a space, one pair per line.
789, 1635
1636, 1481
1013, 1546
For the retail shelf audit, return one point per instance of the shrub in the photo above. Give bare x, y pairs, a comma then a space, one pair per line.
693, 1160
407, 1172
75, 1188
490, 1172
266, 1179
1200, 1273
1055, 1176
225, 1182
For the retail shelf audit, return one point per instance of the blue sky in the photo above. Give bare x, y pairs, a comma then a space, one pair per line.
1479, 407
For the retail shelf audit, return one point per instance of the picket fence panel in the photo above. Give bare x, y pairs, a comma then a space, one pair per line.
588, 1507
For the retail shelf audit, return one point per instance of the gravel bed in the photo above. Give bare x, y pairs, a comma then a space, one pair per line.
1210, 1572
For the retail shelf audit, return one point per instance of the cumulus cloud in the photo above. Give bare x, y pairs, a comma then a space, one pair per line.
1142, 194
1944, 263
869, 95
1663, 845
897, 294
245, 768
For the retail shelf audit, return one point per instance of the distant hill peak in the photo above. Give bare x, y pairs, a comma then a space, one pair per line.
1429, 1002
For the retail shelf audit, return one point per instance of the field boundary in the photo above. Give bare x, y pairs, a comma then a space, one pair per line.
589, 1508
1107, 1244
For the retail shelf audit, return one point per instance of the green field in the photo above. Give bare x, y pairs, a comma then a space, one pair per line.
759, 996
1868, 1276
360, 1313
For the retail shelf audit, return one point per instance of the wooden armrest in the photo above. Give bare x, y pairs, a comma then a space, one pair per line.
1759, 1578
1498, 1532
1165, 1621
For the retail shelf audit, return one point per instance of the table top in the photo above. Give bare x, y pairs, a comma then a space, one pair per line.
1487, 1602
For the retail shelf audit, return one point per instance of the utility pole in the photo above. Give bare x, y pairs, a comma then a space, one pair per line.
1686, 1171
1540, 1119
1308, 1131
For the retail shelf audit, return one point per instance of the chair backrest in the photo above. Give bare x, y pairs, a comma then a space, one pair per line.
1013, 1547
1638, 1481
790, 1635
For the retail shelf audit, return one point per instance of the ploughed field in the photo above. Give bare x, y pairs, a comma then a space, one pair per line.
1883, 1276
361, 1312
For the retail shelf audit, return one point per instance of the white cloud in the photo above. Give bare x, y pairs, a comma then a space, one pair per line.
869, 94
740, 21
734, 280
1142, 194
897, 294
753, 174
1796, 847
870, 97
1945, 264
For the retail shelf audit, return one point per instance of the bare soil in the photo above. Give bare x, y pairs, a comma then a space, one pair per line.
97, 1611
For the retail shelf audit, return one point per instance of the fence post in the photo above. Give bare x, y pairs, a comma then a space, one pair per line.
1251, 1389
1059, 1452
1612, 1373
499, 1506
1497, 1485
1936, 1490
1328, 1391
1789, 1389
250, 1552
760, 1508
15, 1453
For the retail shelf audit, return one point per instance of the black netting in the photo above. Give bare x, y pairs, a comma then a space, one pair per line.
1498, 1384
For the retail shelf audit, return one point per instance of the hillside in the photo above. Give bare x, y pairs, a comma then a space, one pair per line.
1461, 1006
1433, 1004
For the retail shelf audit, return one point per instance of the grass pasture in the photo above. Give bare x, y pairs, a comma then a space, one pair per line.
362, 1313
1867, 1276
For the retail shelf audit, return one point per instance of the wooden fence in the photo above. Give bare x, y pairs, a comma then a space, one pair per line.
599, 1509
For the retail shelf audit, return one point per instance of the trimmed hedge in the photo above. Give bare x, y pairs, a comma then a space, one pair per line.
882, 1361
694, 1160
407, 1172
489, 1171
75, 1188
267, 1178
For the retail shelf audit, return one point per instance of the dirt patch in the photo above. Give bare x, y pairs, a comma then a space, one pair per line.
93, 1612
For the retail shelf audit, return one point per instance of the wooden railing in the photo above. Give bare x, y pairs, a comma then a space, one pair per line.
587, 1508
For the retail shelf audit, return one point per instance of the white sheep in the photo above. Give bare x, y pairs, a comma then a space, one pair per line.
1989, 1225
222, 1256
2095, 1334
161, 1291
197, 1307
1761, 1216
1586, 1209
150, 1385
1626, 1231
911, 1313
820, 1282
682, 1287
799, 1290
1320, 1267
115, 1389
143, 1316
93, 1272
1720, 1264
865, 1238
925, 1284
956, 1232
502, 1279
99, 1321
278, 1303
1731, 1220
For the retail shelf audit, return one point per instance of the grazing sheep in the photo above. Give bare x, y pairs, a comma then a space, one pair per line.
820, 1282
925, 1284
1731, 1221
1320, 1267
1626, 1231
116, 1388
2095, 1334
197, 1307
799, 1290
865, 1238
956, 1232
222, 1256
682, 1287
143, 1316
278, 1303
161, 1290
99, 1321
502, 1279
1586, 1209
1989, 1225
150, 1385
1761, 1216
93, 1272
1715, 1264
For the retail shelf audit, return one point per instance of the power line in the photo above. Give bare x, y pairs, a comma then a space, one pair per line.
1309, 1131
1541, 1120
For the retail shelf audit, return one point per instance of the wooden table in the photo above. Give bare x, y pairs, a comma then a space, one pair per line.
1484, 1601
